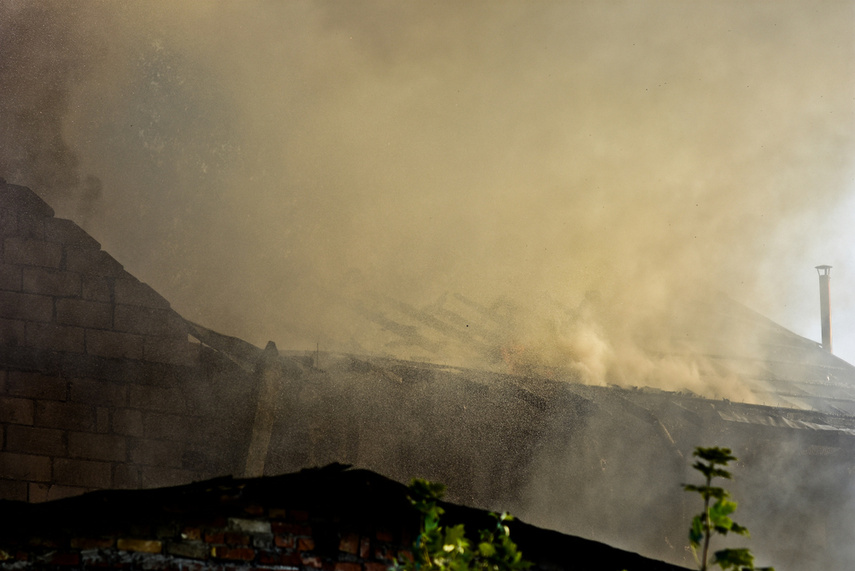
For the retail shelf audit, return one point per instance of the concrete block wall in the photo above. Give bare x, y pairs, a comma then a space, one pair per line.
100, 386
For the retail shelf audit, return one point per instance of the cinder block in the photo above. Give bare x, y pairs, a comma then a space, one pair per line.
32, 227
12, 332
134, 292
126, 476
102, 393
11, 277
148, 321
68, 233
128, 422
161, 399
157, 453
36, 386
27, 439
171, 351
25, 467
102, 419
15, 490
89, 261
84, 473
30, 307
83, 313
31, 252
8, 222
114, 345
168, 426
157, 477
51, 282
49, 492
64, 415
97, 288
107, 447
16, 411
55, 337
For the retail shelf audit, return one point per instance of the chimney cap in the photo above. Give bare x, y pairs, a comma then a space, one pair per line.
823, 270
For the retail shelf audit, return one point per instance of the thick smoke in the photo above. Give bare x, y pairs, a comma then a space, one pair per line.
263, 165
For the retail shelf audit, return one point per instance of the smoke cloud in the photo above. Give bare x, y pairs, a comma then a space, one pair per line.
264, 164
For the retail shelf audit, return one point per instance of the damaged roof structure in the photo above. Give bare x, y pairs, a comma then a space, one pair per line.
103, 386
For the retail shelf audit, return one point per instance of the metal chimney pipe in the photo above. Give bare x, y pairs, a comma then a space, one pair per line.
825, 305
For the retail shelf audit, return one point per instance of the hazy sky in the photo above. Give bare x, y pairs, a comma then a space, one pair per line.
253, 160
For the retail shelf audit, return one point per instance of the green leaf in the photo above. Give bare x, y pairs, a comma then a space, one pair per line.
696, 533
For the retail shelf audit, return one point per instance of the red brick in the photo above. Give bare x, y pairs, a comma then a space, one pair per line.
85, 473
305, 544
51, 282
92, 542
126, 476
365, 548
55, 337
66, 415
68, 233
128, 422
16, 411
139, 545
64, 558
233, 553
157, 453
187, 550
311, 561
24, 467
284, 541
275, 558
31, 307
373, 566
92, 262
31, 252
292, 528
299, 515
36, 386
349, 543
11, 277
218, 537
12, 333
156, 398
94, 392
149, 321
385, 536
97, 446
191, 534
97, 288
84, 313
114, 345
347, 566
134, 292
46, 441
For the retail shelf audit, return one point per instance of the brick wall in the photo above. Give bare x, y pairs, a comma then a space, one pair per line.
100, 386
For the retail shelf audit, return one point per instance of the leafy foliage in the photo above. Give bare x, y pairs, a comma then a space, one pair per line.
715, 519
439, 548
